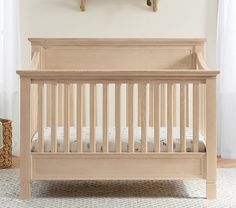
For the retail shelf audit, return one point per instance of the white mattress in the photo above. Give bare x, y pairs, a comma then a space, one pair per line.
111, 137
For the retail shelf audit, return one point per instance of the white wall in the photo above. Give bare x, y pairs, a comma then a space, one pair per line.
118, 18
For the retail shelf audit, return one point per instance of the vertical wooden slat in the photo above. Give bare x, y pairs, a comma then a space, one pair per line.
187, 105
174, 105
40, 118
117, 117
151, 117
54, 117
33, 110
195, 117
83, 105
169, 118
163, 105
105, 117
156, 118
95, 106
144, 119
48, 88
79, 118
92, 119
211, 138
130, 117
60, 104
139, 104
71, 108
182, 117
202, 97
66, 118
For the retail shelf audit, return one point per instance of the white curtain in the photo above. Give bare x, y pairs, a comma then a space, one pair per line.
9, 62
227, 78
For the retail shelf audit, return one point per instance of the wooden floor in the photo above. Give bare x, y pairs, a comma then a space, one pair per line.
221, 163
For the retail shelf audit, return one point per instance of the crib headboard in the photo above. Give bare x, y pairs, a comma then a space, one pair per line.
113, 54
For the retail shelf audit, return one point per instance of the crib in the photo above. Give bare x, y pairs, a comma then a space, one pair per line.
118, 109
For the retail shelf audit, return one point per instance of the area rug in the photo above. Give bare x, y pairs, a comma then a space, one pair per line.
163, 194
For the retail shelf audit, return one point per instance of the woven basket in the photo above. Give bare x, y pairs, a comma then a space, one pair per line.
6, 151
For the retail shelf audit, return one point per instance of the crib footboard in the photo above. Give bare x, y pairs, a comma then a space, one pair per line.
162, 98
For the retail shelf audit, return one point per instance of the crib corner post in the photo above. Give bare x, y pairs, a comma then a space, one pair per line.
211, 146
25, 132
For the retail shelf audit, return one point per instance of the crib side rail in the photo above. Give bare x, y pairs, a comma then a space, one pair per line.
76, 79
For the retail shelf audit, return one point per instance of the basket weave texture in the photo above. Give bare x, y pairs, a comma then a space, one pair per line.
6, 151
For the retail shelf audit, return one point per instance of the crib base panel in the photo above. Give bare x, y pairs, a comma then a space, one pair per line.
125, 166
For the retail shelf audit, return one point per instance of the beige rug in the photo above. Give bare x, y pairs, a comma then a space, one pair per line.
164, 194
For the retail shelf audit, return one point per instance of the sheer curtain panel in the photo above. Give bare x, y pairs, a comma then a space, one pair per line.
9, 62
227, 82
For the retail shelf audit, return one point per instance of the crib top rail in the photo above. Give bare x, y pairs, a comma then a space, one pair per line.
98, 75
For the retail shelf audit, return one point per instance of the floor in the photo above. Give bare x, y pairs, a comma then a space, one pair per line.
221, 163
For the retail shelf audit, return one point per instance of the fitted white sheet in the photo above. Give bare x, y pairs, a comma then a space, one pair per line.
111, 137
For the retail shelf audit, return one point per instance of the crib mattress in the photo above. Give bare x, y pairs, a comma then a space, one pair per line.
111, 138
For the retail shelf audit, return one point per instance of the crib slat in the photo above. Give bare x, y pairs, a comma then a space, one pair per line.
202, 108
182, 117
48, 100
130, 118
60, 104
117, 117
169, 118
54, 118
66, 118
83, 105
156, 118
187, 105
163, 105
79, 118
40, 117
144, 119
105, 118
151, 117
139, 104
174, 105
195, 117
92, 118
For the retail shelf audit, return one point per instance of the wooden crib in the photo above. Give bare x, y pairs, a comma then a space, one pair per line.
133, 83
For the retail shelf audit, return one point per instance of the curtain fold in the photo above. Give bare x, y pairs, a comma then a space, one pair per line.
226, 54
9, 62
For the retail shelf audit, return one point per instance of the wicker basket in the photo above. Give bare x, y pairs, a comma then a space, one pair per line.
6, 151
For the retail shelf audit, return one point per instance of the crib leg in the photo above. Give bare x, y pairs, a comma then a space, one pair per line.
211, 157
25, 135
211, 190
25, 190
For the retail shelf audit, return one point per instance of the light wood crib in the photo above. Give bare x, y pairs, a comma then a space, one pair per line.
118, 109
